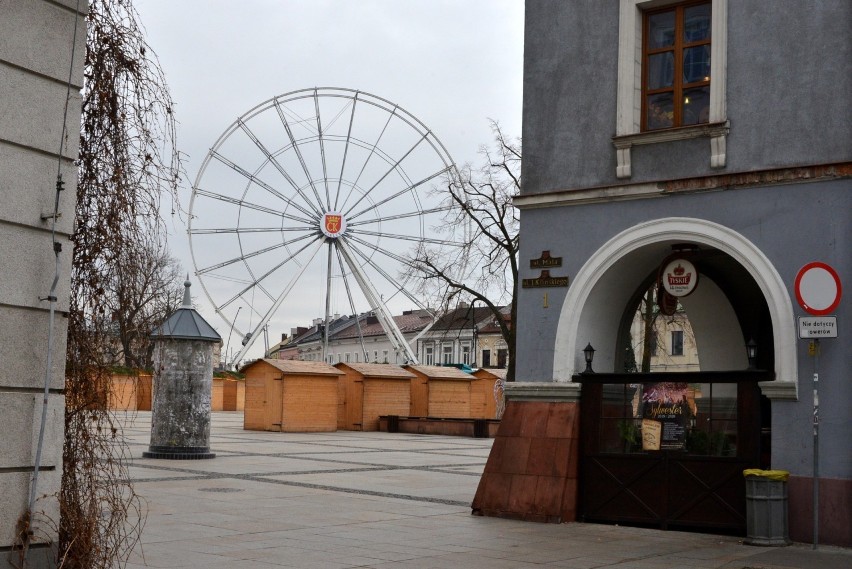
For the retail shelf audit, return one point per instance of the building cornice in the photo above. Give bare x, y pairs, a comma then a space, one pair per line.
665, 188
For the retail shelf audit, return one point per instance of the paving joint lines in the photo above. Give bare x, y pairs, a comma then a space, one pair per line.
264, 477
441, 468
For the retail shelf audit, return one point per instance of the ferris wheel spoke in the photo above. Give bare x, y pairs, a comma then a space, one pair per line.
274, 161
345, 150
351, 303
254, 179
414, 238
258, 280
252, 336
389, 254
223, 230
298, 152
373, 150
253, 206
252, 254
399, 193
394, 282
415, 213
322, 154
386, 174
387, 322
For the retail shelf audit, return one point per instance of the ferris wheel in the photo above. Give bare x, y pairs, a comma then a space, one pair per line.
324, 168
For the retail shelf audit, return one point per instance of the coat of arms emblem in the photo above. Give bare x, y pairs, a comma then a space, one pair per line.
333, 224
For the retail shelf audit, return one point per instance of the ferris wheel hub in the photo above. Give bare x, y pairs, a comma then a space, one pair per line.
333, 224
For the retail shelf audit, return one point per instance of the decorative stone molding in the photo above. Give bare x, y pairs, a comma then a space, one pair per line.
644, 190
543, 391
567, 357
717, 133
780, 390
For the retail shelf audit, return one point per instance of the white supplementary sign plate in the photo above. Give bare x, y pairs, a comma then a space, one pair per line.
817, 327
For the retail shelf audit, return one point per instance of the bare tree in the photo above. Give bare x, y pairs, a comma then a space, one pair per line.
144, 288
485, 268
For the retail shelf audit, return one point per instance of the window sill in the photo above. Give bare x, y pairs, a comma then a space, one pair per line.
716, 132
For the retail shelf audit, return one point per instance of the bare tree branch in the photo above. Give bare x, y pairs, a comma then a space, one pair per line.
486, 267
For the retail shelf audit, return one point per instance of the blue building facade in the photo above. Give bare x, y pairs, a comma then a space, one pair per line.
716, 134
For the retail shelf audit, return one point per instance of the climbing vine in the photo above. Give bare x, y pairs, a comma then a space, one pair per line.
129, 167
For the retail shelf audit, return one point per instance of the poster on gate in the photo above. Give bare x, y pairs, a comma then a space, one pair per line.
665, 415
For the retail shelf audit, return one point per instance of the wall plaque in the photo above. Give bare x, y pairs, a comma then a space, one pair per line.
544, 280
545, 261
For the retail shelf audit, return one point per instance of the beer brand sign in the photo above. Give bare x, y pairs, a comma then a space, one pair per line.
333, 224
679, 278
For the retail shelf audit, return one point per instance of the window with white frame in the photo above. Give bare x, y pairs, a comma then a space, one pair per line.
429, 355
668, 53
447, 354
384, 356
465, 353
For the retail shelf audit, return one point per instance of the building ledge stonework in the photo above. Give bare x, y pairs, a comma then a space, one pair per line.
665, 188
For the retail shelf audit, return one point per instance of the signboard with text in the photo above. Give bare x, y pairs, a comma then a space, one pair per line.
817, 327
665, 415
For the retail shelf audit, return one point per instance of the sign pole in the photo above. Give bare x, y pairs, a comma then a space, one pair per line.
816, 443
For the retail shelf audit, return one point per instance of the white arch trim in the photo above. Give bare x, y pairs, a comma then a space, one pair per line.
566, 360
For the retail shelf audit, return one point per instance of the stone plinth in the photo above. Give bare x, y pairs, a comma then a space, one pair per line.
531, 473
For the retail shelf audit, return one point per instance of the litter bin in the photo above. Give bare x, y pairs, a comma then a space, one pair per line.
766, 507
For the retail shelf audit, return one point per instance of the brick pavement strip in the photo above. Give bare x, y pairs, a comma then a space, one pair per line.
384, 501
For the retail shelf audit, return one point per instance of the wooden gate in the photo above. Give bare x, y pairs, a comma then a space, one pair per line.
679, 468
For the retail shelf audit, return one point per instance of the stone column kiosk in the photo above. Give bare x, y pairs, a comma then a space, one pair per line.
183, 383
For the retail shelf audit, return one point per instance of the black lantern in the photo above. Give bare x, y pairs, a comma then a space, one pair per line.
751, 352
589, 354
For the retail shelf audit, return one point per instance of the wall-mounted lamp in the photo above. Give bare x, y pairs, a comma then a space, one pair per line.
751, 352
589, 354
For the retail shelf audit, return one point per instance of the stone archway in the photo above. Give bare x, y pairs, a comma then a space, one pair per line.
592, 308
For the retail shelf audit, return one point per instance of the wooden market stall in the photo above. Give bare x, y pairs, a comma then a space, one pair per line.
291, 396
229, 393
438, 391
484, 392
368, 391
233, 394
216, 394
130, 392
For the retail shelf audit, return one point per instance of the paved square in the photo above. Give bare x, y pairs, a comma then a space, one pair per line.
383, 501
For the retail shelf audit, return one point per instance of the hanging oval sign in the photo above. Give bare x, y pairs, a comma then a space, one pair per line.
680, 278
666, 302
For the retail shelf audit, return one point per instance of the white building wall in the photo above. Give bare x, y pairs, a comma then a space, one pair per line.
36, 39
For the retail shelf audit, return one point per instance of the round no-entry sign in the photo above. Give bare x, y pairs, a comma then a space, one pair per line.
818, 288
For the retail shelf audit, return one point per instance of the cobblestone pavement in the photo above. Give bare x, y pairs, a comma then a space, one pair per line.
383, 501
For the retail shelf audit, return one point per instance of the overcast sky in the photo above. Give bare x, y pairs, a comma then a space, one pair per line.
453, 64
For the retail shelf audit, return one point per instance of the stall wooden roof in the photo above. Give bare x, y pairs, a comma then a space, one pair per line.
440, 372
378, 370
495, 372
297, 367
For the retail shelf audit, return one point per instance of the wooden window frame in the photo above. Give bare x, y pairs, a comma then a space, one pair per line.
678, 47
628, 131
